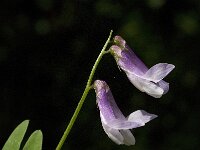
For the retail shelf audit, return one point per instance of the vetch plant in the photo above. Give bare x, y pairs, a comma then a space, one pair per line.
114, 123
140, 115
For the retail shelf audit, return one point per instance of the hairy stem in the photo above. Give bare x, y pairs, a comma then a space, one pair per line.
85, 93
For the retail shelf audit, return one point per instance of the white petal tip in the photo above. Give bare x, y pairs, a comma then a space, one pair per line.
170, 67
153, 116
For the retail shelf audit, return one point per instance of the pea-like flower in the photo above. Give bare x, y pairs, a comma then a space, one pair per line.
114, 123
146, 80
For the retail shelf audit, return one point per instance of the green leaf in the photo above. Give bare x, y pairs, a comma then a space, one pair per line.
15, 139
34, 142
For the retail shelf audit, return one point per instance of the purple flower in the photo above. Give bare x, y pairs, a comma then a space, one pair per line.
146, 80
114, 123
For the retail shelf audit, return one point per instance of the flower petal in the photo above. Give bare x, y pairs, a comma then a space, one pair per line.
113, 134
127, 60
134, 120
158, 72
124, 124
129, 139
113, 121
107, 105
145, 86
141, 117
164, 85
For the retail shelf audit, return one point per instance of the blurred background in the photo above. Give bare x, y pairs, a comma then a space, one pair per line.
48, 47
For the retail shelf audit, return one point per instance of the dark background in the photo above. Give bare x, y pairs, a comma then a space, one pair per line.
48, 47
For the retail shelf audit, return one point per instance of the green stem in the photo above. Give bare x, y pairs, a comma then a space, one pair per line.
85, 93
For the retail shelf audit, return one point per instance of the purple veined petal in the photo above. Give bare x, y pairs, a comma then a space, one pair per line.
129, 56
141, 116
128, 61
106, 102
158, 72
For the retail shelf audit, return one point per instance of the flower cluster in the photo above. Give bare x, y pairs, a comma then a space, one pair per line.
150, 81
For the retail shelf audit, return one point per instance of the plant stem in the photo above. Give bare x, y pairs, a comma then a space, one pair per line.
85, 93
